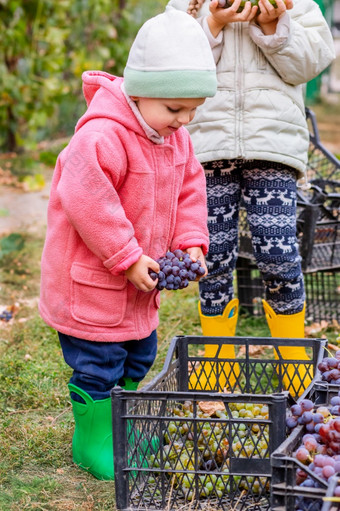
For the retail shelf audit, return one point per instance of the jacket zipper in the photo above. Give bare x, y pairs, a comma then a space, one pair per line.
239, 90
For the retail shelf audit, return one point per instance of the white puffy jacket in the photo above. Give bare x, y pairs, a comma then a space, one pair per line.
258, 111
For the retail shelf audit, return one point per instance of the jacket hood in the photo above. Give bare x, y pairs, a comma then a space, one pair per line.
106, 100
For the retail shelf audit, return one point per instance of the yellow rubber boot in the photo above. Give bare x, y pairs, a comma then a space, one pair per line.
223, 325
290, 326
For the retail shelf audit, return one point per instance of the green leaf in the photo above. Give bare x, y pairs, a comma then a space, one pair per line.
11, 243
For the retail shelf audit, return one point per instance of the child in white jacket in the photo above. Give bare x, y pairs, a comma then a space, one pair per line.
252, 139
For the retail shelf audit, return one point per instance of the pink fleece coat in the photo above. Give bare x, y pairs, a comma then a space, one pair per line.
115, 195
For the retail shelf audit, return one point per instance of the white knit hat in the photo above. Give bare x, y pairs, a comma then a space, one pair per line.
170, 58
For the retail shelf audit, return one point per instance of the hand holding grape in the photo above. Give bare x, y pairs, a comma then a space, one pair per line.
269, 14
220, 16
178, 268
138, 273
196, 254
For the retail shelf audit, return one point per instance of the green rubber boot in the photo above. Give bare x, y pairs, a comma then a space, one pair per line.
130, 384
92, 445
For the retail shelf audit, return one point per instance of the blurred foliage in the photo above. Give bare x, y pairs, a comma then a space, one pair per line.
44, 48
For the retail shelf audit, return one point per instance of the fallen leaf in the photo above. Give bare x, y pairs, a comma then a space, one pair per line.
210, 407
253, 350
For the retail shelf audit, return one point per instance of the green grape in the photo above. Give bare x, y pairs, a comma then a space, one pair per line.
242, 4
204, 492
190, 495
220, 414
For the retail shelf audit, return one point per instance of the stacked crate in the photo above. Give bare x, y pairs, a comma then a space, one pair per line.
318, 233
182, 443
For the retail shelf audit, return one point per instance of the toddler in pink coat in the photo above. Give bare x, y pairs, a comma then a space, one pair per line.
126, 189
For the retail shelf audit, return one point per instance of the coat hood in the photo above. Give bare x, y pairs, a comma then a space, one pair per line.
106, 100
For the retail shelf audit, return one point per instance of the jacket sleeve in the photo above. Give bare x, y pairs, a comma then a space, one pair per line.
302, 46
191, 220
89, 198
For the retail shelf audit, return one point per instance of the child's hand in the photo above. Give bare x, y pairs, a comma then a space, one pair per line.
196, 253
269, 15
138, 273
220, 16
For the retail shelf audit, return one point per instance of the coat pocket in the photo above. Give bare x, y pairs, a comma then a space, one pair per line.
97, 297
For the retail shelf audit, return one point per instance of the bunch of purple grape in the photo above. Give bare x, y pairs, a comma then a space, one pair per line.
177, 269
320, 448
330, 369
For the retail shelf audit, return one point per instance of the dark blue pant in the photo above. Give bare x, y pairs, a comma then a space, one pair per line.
99, 366
268, 191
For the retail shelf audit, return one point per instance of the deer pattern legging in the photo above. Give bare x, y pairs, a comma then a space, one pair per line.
268, 191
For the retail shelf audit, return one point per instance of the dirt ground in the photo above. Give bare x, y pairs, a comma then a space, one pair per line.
25, 211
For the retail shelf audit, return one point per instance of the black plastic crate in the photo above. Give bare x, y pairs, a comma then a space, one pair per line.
322, 164
286, 495
225, 462
322, 392
318, 210
317, 224
322, 291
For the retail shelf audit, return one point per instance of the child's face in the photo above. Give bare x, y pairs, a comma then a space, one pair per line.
167, 115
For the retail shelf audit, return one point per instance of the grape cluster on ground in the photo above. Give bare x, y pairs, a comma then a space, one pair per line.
177, 269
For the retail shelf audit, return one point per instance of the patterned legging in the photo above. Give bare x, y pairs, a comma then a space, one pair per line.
269, 193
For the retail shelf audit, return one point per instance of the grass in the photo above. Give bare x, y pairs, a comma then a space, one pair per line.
36, 422
36, 469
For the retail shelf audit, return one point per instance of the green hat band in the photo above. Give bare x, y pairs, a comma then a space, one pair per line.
170, 84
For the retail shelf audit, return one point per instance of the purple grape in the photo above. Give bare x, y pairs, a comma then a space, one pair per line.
194, 267
291, 422
306, 405
296, 410
191, 275
167, 269
176, 270
178, 253
335, 400
187, 263
318, 418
